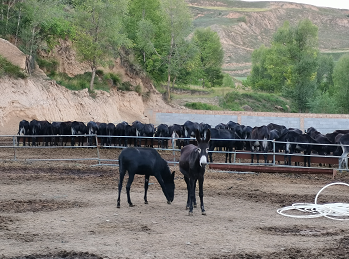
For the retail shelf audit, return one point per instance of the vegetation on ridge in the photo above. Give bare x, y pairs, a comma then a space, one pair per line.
160, 40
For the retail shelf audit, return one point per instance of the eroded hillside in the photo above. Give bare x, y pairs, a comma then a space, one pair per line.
245, 26
38, 97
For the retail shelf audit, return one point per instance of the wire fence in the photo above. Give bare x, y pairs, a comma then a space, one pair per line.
103, 150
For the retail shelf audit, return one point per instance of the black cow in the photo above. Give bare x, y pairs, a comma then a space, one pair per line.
279, 128
327, 146
222, 138
145, 161
40, 128
177, 131
190, 128
64, 130
23, 130
110, 131
92, 129
221, 126
332, 136
149, 131
102, 131
162, 133
274, 134
55, 131
121, 130
236, 127
78, 128
138, 128
192, 164
246, 134
296, 142
204, 127
143, 130
260, 136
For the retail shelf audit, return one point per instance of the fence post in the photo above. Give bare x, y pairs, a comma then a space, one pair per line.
14, 148
173, 146
273, 152
99, 161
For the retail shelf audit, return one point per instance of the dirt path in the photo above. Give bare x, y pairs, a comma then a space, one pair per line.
69, 211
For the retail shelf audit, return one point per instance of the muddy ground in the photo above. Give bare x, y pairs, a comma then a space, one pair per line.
64, 209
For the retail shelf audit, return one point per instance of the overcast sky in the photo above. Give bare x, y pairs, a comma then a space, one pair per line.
341, 4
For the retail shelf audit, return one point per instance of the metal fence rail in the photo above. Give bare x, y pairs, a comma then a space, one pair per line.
239, 157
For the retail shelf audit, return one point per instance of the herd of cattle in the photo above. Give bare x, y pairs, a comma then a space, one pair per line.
230, 136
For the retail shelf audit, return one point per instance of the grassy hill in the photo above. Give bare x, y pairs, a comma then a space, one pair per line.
245, 26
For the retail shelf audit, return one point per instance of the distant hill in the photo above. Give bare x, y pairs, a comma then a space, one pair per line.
245, 26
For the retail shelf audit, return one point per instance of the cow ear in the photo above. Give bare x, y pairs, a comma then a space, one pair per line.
197, 135
208, 135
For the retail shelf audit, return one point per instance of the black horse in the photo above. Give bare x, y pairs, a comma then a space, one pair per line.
222, 138
145, 161
192, 165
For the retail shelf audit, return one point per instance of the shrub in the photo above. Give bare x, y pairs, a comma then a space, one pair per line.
202, 106
48, 65
7, 68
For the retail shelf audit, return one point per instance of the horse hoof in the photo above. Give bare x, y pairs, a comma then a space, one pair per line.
190, 213
146, 202
118, 206
131, 205
168, 202
203, 213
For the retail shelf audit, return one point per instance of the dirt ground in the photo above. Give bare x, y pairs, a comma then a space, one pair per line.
60, 209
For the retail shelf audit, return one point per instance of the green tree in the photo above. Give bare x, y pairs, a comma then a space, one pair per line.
100, 31
290, 64
41, 23
341, 83
211, 55
324, 73
177, 26
260, 78
142, 23
300, 44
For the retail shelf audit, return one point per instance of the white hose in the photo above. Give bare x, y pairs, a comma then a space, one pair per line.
336, 211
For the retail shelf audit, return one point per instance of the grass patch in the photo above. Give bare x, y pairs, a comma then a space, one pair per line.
8, 69
261, 102
79, 82
202, 106
47, 65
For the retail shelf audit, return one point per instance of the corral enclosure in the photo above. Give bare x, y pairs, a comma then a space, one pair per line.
67, 209
324, 123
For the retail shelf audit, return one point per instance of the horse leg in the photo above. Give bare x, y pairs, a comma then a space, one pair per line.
230, 150
210, 153
146, 185
128, 187
186, 179
191, 195
122, 175
201, 194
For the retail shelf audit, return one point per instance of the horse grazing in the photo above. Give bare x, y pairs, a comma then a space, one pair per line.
145, 161
192, 165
